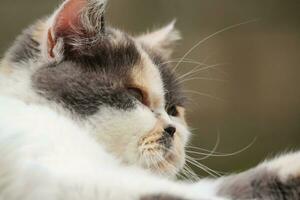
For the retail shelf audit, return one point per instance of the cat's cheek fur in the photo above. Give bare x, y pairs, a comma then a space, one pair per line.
120, 130
121, 133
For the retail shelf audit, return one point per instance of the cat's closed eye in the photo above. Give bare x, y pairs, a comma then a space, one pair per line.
137, 94
172, 111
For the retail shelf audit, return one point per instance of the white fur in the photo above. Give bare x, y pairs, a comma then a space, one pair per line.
44, 155
17, 83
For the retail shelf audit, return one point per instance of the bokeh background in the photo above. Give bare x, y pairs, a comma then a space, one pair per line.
251, 92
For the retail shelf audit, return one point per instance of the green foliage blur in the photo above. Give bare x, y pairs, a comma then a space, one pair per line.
251, 92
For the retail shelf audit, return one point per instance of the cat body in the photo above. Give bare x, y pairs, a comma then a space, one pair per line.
65, 163
90, 112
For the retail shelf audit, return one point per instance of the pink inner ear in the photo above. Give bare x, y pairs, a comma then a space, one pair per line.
66, 22
51, 44
68, 17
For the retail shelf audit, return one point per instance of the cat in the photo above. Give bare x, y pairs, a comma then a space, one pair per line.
90, 112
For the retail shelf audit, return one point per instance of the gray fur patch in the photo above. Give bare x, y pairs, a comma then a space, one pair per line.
80, 90
83, 82
107, 52
260, 185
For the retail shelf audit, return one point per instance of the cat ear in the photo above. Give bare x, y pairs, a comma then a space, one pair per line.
74, 22
162, 40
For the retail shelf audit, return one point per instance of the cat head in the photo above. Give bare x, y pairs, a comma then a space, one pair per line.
119, 86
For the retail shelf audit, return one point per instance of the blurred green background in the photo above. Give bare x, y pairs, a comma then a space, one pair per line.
252, 93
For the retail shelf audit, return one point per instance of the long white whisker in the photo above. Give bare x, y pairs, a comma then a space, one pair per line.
201, 78
188, 172
204, 95
218, 154
198, 148
219, 173
184, 61
204, 153
193, 175
212, 35
198, 69
203, 167
214, 149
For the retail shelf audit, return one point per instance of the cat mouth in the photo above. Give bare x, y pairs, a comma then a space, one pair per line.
166, 143
162, 158
162, 152
167, 165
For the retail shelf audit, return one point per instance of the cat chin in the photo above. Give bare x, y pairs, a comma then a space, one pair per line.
168, 166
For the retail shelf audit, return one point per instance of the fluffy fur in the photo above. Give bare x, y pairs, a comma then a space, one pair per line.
90, 112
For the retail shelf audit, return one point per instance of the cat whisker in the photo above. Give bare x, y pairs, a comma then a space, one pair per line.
202, 167
205, 168
204, 95
170, 165
145, 158
202, 78
214, 148
219, 173
204, 154
198, 148
187, 172
197, 69
184, 61
194, 176
153, 163
191, 61
211, 36
190, 174
218, 154
191, 72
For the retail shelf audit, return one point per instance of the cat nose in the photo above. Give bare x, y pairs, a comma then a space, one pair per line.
170, 130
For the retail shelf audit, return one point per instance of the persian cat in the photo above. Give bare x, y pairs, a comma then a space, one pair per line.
90, 112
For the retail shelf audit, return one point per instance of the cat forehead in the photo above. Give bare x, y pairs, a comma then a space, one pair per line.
115, 50
134, 62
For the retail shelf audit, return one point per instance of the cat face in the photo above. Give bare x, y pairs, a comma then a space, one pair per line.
118, 86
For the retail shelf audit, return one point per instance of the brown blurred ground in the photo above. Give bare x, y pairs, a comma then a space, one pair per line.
261, 95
